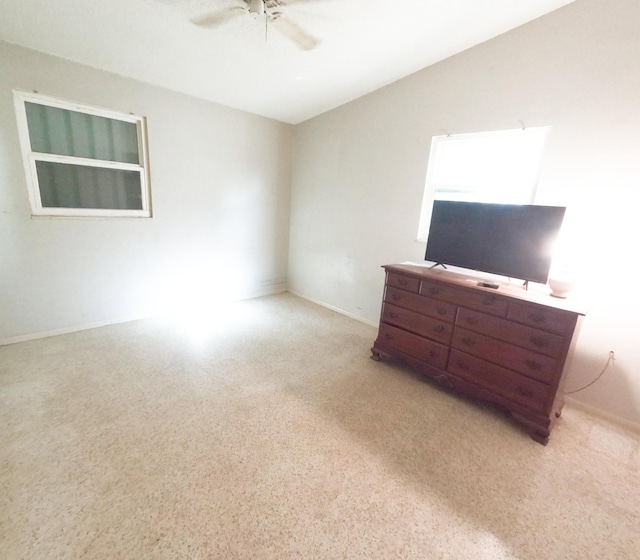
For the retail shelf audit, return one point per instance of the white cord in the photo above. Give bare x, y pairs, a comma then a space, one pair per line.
612, 357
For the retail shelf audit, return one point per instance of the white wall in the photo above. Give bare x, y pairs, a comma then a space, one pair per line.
220, 183
359, 172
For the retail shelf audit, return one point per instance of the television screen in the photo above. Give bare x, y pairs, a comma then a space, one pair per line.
505, 239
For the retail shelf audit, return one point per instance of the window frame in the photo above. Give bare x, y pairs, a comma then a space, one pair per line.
528, 188
30, 158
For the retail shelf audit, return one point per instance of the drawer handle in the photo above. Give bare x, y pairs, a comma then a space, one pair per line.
393, 315
463, 366
533, 365
524, 391
433, 354
388, 336
441, 311
539, 341
439, 329
489, 299
403, 281
433, 291
396, 297
537, 317
471, 320
468, 341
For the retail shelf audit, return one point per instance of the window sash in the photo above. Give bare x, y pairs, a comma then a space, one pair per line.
66, 132
70, 185
115, 179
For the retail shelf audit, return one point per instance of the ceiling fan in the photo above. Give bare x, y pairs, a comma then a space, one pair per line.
273, 13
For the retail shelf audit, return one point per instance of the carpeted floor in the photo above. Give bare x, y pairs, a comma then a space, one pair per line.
265, 432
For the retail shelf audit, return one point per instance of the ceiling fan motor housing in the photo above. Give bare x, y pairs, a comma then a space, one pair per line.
256, 6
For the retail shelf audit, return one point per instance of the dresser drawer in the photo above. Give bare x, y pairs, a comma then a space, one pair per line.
413, 345
553, 320
516, 388
534, 339
429, 327
425, 306
531, 364
440, 291
485, 301
403, 282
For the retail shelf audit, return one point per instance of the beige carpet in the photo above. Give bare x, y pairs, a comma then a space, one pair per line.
267, 432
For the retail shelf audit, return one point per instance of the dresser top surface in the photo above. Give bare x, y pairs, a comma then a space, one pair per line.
536, 294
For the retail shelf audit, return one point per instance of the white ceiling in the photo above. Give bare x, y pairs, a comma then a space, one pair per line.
365, 44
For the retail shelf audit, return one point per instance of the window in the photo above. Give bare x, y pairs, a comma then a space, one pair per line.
82, 161
497, 167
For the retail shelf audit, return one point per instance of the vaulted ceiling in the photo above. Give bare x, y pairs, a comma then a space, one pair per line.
218, 50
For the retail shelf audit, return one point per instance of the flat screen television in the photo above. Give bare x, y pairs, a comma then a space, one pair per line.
506, 239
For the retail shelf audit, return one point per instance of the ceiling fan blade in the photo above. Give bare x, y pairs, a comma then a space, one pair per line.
294, 32
212, 19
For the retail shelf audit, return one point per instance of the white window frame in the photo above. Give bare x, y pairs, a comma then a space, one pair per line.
30, 158
522, 191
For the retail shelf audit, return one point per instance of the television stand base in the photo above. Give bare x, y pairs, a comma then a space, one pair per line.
437, 265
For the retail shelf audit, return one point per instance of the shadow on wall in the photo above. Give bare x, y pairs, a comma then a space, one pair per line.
602, 382
609, 325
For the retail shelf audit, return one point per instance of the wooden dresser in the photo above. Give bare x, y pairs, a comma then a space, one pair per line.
508, 346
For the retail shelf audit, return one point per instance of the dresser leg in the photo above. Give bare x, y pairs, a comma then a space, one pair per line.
539, 438
536, 432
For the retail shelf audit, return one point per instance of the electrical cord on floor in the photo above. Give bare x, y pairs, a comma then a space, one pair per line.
612, 357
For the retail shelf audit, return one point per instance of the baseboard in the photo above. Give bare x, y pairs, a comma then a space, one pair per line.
603, 414
273, 290
334, 308
66, 330
268, 291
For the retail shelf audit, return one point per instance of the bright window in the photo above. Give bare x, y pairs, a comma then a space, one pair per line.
499, 167
82, 161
